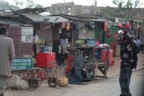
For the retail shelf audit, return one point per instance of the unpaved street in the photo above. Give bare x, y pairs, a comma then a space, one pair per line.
100, 87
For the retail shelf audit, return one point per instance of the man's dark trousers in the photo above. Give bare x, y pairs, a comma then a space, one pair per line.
124, 80
3, 82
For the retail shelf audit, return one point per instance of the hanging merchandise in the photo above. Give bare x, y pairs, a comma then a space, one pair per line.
60, 30
108, 34
84, 31
62, 42
68, 34
106, 26
66, 40
68, 26
109, 25
76, 26
60, 48
63, 25
88, 26
92, 24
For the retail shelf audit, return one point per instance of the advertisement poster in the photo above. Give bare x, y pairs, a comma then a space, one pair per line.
27, 35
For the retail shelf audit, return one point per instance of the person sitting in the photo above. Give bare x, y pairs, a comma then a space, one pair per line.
75, 75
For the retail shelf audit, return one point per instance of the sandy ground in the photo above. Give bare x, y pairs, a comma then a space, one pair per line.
100, 87
112, 70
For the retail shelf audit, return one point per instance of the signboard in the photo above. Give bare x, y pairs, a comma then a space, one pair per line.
27, 35
22, 64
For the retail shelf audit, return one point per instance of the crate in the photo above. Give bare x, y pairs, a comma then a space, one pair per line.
45, 60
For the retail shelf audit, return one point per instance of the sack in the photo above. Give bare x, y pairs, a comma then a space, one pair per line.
63, 81
15, 82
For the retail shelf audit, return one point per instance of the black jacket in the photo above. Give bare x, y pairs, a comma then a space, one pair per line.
128, 52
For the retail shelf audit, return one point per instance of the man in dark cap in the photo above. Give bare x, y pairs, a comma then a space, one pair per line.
7, 55
128, 55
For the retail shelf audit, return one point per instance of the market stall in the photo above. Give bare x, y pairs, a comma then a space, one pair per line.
88, 64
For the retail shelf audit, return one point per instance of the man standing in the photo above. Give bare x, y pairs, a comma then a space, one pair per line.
128, 54
141, 35
7, 55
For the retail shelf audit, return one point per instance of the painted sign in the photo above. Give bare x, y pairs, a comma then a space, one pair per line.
22, 64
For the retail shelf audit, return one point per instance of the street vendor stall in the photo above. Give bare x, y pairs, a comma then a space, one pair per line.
85, 68
35, 73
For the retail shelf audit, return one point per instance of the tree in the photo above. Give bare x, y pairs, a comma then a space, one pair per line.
38, 6
123, 8
127, 3
4, 5
13, 7
126, 7
30, 4
18, 3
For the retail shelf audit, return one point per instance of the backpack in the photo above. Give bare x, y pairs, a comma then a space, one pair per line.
136, 45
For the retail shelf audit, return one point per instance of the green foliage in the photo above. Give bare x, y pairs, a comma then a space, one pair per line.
13, 7
30, 4
124, 8
118, 2
18, 3
4, 5
38, 6
127, 3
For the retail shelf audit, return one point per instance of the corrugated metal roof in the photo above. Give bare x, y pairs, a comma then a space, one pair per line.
5, 21
6, 13
86, 19
74, 18
99, 20
55, 19
45, 19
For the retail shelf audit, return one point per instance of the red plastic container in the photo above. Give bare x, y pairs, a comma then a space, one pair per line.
104, 55
45, 60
